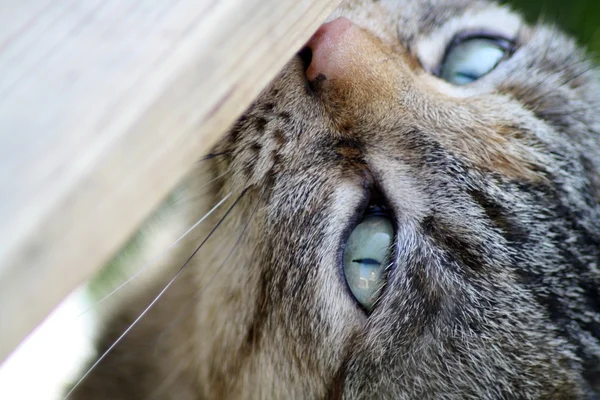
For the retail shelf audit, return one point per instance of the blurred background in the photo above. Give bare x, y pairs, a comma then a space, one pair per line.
51, 357
581, 18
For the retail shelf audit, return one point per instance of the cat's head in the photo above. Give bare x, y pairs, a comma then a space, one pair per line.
420, 192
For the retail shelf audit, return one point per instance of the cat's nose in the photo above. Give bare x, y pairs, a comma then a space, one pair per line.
341, 53
354, 71
328, 51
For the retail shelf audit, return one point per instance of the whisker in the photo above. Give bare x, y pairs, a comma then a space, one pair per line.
572, 78
237, 242
157, 257
555, 30
213, 155
162, 292
175, 201
239, 239
562, 82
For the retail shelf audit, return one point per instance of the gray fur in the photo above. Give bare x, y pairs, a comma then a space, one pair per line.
494, 292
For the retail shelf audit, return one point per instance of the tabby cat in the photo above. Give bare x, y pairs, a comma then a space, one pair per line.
411, 212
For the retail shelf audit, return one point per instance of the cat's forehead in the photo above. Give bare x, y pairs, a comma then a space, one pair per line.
425, 16
426, 27
421, 17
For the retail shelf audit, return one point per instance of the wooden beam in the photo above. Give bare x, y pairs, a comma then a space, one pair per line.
104, 106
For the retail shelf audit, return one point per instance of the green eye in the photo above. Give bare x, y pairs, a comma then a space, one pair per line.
366, 256
470, 58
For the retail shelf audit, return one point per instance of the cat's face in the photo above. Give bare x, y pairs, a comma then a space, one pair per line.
490, 288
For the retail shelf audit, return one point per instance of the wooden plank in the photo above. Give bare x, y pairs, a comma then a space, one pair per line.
104, 106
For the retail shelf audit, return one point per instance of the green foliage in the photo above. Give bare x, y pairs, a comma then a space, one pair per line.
126, 262
581, 18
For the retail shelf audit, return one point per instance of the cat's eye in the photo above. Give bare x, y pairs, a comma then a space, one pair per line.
469, 58
366, 256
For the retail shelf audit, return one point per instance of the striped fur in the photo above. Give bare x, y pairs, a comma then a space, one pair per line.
494, 188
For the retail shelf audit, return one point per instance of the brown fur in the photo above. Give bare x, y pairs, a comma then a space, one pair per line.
494, 192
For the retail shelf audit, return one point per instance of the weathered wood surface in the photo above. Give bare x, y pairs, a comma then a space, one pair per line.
104, 106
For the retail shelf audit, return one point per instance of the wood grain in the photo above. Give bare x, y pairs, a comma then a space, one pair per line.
104, 106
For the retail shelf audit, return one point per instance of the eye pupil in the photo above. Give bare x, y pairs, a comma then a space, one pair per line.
468, 59
367, 261
467, 75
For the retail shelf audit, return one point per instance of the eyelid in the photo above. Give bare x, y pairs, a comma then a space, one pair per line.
499, 21
509, 45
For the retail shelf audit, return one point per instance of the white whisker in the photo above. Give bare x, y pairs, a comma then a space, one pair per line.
123, 334
134, 323
212, 278
157, 257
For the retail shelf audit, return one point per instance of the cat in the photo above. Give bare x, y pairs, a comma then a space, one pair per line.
411, 212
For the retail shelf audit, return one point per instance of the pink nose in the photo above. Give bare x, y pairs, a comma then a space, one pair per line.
327, 46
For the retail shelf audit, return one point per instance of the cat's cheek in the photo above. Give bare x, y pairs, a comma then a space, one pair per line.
437, 86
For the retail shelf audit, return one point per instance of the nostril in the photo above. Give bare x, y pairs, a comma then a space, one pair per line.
328, 51
306, 56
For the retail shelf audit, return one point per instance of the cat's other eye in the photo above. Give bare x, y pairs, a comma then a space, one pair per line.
468, 58
366, 256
